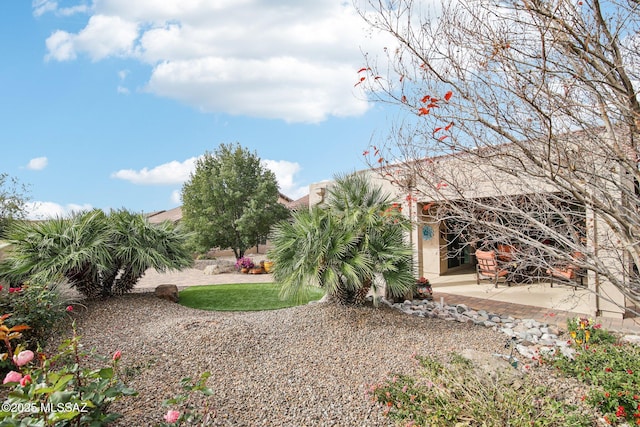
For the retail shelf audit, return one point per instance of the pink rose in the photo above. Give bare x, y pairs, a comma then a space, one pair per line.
25, 380
12, 377
69, 308
172, 416
23, 357
117, 355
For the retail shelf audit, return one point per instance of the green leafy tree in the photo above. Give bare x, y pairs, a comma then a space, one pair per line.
231, 200
99, 254
359, 235
12, 201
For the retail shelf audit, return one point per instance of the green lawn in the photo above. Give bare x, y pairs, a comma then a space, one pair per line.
241, 297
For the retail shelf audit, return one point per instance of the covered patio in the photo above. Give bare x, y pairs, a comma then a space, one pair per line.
539, 300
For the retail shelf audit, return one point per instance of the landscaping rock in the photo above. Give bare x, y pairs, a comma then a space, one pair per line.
168, 292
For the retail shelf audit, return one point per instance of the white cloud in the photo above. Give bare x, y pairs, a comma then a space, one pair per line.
123, 90
40, 7
104, 36
176, 197
168, 173
68, 11
294, 61
49, 210
176, 172
285, 175
37, 163
60, 46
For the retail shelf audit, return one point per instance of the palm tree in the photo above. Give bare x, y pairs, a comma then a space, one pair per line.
343, 247
98, 254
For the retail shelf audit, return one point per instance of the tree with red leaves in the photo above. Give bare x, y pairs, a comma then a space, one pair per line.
522, 124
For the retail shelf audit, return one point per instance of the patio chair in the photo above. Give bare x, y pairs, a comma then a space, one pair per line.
488, 268
505, 252
567, 272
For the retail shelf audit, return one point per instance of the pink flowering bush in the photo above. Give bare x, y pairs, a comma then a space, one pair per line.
244, 262
70, 393
172, 416
12, 377
23, 358
191, 413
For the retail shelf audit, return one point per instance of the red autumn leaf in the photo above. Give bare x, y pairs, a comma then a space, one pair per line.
403, 99
365, 153
361, 80
425, 98
401, 78
447, 96
363, 69
427, 207
380, 160
448, 126
437, 129
423, 111
432, 105
377, 77
434, 100
441, 185
443, 137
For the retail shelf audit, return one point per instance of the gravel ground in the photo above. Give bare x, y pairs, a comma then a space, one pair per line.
302, 366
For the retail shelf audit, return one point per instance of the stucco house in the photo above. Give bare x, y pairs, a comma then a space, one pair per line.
438, 252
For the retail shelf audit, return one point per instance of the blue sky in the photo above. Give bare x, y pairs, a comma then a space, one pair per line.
107, 103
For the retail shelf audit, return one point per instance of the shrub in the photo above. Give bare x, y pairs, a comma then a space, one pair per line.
611, 369
453, 393
41, 306
60, 390
187, 411
98, 254
244, 262
584, 331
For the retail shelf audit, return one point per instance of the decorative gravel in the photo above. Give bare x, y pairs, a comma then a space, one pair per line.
301, 366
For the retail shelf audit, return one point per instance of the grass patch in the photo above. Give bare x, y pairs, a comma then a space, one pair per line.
241, 297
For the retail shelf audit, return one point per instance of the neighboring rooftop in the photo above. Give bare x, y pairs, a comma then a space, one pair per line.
301, 203
175, 214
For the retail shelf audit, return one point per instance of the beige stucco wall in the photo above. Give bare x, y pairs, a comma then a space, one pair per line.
477, 181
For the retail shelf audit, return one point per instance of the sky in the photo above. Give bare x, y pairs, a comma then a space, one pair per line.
108, 103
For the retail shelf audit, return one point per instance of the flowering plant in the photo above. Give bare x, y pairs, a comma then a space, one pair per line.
190, 413
582, 330
423, 288
244, 262
58, 390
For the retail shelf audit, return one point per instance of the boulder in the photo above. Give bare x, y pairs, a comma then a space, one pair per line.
168, 292
212, 269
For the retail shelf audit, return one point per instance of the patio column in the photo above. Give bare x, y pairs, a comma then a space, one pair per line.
606, 300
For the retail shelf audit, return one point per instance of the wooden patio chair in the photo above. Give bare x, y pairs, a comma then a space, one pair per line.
567, 272
488, 268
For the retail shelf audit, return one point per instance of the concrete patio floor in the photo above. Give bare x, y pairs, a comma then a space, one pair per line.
538, 301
